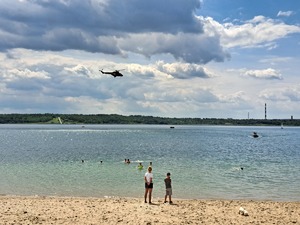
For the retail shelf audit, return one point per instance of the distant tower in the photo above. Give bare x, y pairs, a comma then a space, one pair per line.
265, 111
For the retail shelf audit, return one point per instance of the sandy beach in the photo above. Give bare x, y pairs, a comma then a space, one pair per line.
70, 210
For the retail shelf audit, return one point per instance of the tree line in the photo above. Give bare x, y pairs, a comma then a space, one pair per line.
49, 118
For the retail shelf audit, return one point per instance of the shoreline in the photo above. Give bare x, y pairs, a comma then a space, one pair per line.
123, 210
157, 198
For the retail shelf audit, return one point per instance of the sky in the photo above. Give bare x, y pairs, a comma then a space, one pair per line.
179, 58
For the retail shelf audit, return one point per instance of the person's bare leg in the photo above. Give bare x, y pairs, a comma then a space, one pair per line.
146, 192
150, 194
170, 199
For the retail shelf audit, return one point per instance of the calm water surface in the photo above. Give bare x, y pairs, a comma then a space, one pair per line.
204, 161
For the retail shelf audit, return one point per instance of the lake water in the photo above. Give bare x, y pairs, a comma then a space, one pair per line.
204, 161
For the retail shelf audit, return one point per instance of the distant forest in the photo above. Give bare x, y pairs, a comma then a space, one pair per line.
136, 119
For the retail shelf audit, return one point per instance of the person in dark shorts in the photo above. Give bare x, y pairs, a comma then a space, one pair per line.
168, 184
148, 184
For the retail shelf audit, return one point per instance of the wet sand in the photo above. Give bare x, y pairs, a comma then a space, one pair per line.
71, 210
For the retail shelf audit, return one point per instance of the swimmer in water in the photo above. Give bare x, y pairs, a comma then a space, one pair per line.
140, 166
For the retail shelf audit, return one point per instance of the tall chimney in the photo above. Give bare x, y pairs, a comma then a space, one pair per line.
265, 111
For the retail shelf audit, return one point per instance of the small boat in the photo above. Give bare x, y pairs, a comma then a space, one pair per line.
255, 135
172, 127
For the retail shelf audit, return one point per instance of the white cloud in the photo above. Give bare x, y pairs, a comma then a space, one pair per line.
14, 74
264, 74
285, 13
183, 70
276, 60
289, 93
251, 33
236, 97
79, 69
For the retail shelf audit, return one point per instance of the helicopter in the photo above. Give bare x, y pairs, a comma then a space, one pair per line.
115, 73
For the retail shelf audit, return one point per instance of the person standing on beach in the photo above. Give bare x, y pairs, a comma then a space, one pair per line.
148, 184
168, 183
